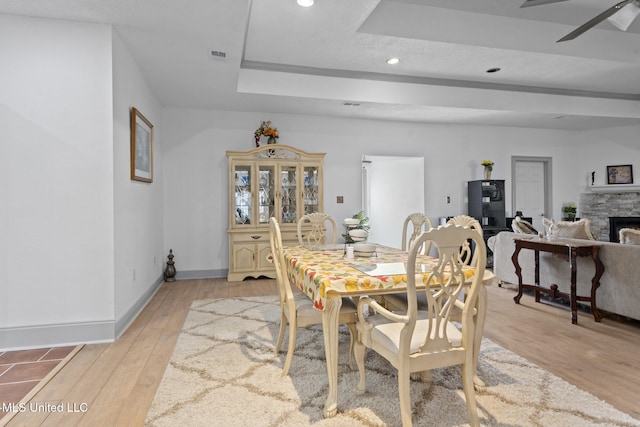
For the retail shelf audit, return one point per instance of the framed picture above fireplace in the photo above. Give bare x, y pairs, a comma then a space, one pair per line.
621, 174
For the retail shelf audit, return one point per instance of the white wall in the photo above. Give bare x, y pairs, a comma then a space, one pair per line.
56, 166
73, 226
196, 167
139, 218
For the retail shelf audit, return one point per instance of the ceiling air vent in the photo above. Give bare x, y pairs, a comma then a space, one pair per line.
217, 54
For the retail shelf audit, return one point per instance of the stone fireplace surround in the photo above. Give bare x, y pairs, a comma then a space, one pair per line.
599, 206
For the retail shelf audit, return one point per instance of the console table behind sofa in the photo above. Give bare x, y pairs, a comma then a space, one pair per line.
619, 290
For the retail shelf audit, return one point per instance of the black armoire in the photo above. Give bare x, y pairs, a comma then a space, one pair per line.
487, 205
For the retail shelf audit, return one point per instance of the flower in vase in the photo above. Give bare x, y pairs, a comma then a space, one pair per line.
488, 164
267, 130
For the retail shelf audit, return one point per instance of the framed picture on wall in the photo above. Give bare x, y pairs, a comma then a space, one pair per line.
141, 147
621, 174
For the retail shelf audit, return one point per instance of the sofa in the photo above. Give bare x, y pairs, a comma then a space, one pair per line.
619, 290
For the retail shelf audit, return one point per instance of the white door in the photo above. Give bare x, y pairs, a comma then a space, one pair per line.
529, 193
392, 189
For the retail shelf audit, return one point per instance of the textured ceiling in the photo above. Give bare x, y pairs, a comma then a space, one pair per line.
285, 58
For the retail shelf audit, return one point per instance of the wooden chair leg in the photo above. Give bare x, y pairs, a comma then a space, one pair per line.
358, 351
283, 325
292, 345
404, 389
469, 393
353, 337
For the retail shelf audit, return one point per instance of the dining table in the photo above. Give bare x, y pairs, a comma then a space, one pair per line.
326, 275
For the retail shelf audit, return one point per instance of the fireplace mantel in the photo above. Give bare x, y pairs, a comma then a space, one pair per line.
613, 188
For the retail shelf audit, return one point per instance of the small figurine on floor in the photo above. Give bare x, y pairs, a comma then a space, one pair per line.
170, 271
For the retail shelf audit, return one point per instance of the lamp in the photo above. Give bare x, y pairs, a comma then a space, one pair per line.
625, 16
305, 3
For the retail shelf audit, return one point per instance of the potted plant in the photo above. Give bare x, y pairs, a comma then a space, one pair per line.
569, 209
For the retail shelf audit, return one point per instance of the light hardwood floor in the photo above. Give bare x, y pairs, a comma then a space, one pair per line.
117, 381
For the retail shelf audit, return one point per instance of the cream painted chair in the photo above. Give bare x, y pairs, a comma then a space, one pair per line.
296, 308
320, 223
466, 252
399, 301
419, 223
415, 223
418, 341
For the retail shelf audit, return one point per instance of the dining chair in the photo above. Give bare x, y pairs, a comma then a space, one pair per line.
422, 340
296, 308
419, 223
320, 223
466, 252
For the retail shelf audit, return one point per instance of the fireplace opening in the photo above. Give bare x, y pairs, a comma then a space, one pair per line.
616, 223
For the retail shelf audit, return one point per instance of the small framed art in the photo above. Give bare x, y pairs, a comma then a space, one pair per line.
621, 174
141, 147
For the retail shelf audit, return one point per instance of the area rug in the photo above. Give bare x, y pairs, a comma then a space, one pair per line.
224, 372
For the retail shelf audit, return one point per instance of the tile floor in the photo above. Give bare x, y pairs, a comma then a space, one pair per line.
22, 370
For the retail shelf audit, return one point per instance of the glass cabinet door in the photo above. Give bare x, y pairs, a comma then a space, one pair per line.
266, 189
289, 194
242, 209
310, 191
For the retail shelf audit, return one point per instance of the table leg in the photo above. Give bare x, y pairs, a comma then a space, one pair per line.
516, 264
595, 283
481, 306
536, 274
573, 296
330, 316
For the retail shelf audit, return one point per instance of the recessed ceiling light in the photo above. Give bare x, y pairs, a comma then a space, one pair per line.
493, 70
305, 3
392, 61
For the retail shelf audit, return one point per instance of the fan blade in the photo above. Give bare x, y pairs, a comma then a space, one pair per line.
595, 21
528, 3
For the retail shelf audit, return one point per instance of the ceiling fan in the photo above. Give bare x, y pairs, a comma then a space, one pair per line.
624, 16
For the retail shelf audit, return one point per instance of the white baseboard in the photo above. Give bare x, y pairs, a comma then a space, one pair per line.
202, 274
64, 334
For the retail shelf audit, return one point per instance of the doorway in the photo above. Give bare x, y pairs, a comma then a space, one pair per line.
392, 188
531, 188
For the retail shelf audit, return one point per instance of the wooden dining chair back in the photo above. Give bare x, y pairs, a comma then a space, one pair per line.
466, 250
417, 341
317, 234
296, 309
413, 225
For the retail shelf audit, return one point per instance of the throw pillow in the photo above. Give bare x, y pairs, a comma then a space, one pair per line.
519, 225
568, 229
629, 236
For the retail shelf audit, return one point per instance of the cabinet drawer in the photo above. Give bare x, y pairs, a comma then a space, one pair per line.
251, 237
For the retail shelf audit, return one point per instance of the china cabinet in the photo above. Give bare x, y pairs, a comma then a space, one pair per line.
279, 181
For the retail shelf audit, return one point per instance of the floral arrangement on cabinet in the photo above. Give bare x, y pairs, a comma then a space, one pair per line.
488, 164
267, 130
488, 167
